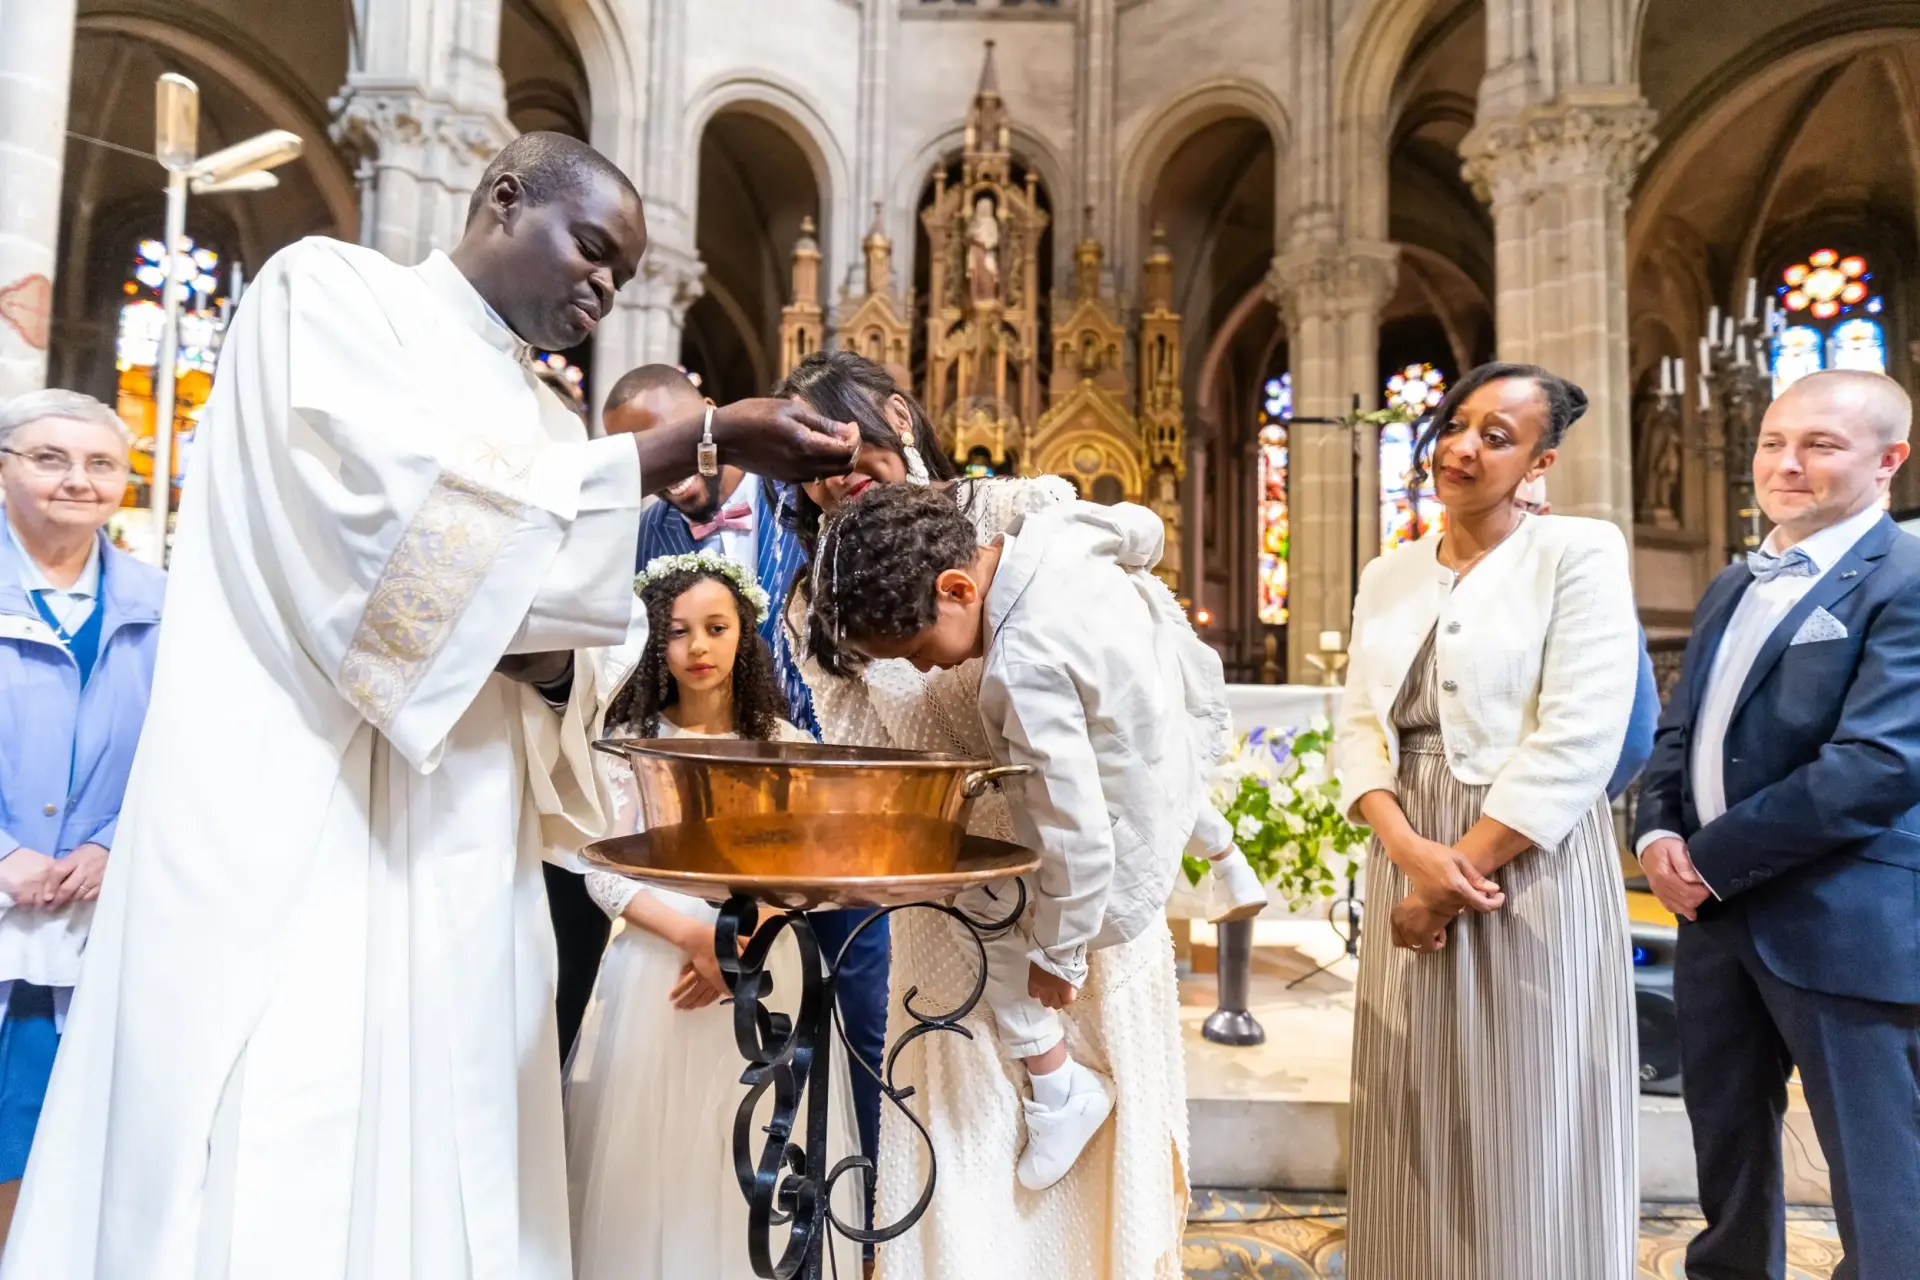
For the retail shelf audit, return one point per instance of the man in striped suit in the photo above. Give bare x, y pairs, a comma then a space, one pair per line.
725, 516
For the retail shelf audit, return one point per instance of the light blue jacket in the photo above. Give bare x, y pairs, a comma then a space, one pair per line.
65, 751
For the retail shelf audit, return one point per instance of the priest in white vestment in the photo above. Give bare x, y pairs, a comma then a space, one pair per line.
313, 1035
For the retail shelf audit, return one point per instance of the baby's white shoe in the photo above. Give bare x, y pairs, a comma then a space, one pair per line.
1057, 1135
1234, 890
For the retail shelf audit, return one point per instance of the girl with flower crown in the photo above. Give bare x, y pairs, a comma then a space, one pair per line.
652, 1086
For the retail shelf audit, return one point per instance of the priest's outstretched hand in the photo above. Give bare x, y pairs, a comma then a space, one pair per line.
778, 439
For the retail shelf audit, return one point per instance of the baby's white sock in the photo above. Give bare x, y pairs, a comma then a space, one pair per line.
1054, 1088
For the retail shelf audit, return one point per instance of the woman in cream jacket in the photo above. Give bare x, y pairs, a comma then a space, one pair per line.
1492, 676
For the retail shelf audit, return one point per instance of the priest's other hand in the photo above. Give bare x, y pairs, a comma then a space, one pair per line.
784, 440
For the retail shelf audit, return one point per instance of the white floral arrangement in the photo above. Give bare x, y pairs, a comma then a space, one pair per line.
1284, 808
708, 563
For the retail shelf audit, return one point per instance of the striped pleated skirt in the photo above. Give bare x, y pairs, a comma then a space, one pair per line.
1495, 1120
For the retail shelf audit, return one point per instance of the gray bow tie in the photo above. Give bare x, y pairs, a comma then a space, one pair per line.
1796, 563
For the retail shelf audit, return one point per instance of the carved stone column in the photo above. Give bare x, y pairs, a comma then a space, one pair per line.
1558, 178
36, 61
424, 109
1330, 296
650, 314
1099, 30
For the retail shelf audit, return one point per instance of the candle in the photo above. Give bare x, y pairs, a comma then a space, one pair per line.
1706, 356
1706, 395
1740, 349
1753, 288
1329, 642
1769, 313
1679, 376
1713, 322
1726, 339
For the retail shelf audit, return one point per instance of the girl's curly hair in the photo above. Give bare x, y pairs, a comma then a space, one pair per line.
758, 703
847, 387
881, 558
1566, 403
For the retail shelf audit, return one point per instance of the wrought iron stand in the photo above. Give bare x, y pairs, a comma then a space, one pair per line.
788, 1182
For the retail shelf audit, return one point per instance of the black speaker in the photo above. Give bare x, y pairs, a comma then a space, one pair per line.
1653, 1003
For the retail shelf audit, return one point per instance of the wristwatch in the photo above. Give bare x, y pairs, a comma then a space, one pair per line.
707, 458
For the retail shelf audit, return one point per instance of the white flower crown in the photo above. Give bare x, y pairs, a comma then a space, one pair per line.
708, 563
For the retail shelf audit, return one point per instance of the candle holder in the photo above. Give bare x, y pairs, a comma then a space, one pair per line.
1329, 665
1231, 1023
1735, 386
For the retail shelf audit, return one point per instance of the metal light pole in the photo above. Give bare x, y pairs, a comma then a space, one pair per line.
241, 167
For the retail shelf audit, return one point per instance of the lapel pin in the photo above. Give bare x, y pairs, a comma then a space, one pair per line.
1851, 573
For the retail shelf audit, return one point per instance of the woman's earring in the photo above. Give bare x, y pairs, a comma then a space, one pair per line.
916, 465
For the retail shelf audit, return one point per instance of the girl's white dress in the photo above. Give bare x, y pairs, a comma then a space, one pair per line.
650, 1100
1119, 1214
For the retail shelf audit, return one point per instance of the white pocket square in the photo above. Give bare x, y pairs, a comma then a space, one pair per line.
1820, 625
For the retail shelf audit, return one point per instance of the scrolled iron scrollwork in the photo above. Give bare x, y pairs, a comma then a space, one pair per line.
787, 1183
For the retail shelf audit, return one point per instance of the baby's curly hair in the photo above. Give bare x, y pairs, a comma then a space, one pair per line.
881, 556
758, 703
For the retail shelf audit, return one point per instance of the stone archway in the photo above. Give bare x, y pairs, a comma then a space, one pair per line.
760, 174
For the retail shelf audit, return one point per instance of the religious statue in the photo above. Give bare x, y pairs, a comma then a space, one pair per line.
1659, 465
983, 253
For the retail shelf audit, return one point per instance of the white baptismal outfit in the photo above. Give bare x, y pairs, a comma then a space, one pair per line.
1111, 719
651, 1096
1119, 1213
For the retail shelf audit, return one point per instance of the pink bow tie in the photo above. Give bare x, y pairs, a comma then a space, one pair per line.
738, 517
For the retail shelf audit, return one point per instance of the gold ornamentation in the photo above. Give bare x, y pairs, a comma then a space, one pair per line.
432, 577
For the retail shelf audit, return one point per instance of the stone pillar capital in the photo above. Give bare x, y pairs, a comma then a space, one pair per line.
403, 127
1333, 280
1602, 137
670, 278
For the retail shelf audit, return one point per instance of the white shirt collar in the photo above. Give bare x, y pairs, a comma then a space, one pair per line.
33, 578
458, 292
1826, 546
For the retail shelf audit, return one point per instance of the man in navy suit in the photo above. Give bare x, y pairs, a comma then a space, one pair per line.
1780, 819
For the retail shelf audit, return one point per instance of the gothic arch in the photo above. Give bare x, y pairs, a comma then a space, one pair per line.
1367, 67
1207, 387
255, 72
1170, 125
605, 47
1797, 52
794, 112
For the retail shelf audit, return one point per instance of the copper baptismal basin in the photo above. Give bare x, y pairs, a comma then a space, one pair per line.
804, 825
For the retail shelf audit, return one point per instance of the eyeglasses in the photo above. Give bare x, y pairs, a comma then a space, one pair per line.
51, 463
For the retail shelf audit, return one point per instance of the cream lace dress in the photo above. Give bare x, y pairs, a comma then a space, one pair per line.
1119, 1214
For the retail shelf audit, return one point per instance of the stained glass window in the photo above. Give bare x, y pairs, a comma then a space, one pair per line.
1828, 303
1276, 410
1407, 512
203, 311
1859, 343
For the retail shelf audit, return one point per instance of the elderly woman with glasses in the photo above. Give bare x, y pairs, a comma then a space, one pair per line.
79, 623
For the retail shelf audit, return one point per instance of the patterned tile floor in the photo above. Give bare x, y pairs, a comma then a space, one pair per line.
1257, 1235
